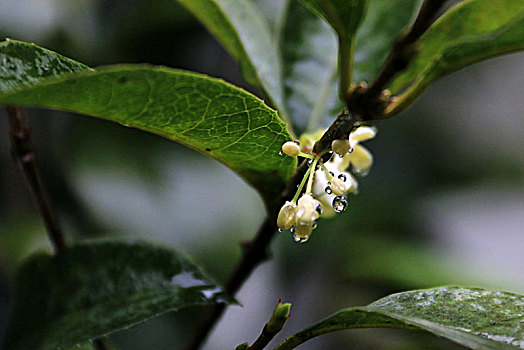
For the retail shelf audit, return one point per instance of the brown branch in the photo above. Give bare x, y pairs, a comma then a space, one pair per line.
370, 102
24, 155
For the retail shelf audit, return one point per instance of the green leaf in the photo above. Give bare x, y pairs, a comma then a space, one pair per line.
27, 63
247, 36
95, 289
384, 22
309, 57
473, 30
473, 317
343, 15
207, 114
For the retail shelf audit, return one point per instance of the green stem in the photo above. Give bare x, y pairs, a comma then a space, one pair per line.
345, 65
301, 186
312, 174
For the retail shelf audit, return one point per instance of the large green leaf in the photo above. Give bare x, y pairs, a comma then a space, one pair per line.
207, 114
343, 15
247, 36
309, 57
95, 289
472, 31
383, 24
473, 317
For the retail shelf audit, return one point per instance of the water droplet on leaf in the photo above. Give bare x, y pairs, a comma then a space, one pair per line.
342, 177
328, 190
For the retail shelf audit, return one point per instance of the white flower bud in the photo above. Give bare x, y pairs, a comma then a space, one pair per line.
290, 148
340, 147
339, 187
307, 210
286, 216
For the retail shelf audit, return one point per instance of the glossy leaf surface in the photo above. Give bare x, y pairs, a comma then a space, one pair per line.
309, 56
473, 317
207, 114
99, 288
473, 30
244, 32
384, 22
343, 15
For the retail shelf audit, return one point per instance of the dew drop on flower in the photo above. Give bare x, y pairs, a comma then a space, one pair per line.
340, 204
297, 142
342, 177
361, 172
328, 190
315, 224
310, 161
300, 239
280, 230
319, 209
332, 173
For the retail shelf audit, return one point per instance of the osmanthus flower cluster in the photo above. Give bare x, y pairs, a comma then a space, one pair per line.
328, 184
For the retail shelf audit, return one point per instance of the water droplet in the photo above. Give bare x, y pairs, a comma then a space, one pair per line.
292, 230
310, 161
361, 172
350, 150
297, 142
342, 177
300, 239
319, 209
280, 230
340, 204
280, 153
328, 190
332, 173
315, 224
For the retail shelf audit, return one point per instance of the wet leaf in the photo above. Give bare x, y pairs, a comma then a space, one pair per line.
99, 288
384, 22
244, 32
309, 56
470, 32
473, 317
207, 114
343, 15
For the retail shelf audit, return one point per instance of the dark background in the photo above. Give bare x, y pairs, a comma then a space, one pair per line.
443, 203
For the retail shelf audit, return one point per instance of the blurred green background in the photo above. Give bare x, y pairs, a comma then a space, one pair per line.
443, 204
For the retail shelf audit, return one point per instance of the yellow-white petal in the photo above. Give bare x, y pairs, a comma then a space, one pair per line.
361, 158
363, 133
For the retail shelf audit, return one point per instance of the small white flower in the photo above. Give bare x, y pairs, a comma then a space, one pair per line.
307, 210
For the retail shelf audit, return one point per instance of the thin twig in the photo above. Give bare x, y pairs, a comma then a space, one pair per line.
367, 102
24, 154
